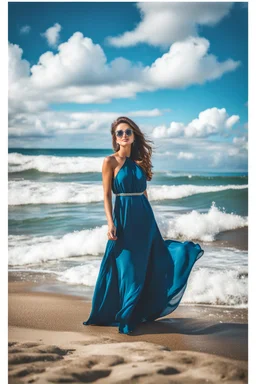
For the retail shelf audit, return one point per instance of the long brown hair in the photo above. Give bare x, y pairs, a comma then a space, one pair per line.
141, 150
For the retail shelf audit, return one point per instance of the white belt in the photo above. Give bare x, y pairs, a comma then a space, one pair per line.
129, 194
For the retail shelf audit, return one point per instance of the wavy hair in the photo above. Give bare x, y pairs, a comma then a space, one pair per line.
141, 149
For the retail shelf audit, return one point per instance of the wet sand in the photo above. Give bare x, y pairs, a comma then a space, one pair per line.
49, 343
237, 238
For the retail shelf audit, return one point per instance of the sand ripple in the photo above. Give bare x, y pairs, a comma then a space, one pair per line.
125, 362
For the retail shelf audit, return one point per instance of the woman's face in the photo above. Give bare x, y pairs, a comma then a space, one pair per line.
127, 136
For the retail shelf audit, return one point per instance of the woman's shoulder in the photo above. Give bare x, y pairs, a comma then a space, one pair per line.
111, 159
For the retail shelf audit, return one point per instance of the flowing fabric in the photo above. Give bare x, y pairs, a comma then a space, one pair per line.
142, 277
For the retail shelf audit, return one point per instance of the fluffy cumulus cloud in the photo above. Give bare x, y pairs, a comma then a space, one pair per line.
79, 73
171, 22
19, 69
186, 63
209, 122
52, 35
212, 121
174, 130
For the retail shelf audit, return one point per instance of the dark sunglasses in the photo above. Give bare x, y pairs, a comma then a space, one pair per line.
120, 132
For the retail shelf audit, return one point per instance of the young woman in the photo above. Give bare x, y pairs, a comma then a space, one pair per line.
142, 277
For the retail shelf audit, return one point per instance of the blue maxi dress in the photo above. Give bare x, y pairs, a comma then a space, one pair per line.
142, 277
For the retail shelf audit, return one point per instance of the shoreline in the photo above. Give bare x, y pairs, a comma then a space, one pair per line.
233, 238
49, 343
37, 310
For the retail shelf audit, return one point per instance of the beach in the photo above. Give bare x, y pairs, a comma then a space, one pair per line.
57, 239
49, 343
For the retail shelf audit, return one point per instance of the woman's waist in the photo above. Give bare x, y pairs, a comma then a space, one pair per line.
130, 193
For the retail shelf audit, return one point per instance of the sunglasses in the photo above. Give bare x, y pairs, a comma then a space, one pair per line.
120, 132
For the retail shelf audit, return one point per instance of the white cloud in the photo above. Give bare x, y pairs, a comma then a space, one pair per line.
229, 158
171, 22
25, 29
52, 35
70, 123
186, 155
233, 151
203, 154
232, 120
186, 63
79, 73
79, 62
18, 68
149, 113
212, 121
241, 142
175, 130
58, 127
209, 122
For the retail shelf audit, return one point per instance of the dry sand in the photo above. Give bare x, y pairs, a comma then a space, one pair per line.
49, 344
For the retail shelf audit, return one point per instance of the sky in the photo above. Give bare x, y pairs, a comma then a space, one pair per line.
179, 70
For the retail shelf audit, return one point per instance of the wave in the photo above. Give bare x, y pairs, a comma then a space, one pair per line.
18, 162
166, 192
206, 286
218, 287
225, 283
24, 249
82, 274
202, 226
54, 164
28, 192
24, 192
235, 177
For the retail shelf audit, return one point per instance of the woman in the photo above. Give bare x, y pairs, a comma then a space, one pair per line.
142, 276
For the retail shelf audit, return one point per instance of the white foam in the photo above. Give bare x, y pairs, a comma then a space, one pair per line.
82, 274
31, 250
54, 164
31, 192
193, 226
218, 287
164, 192
205, 286
201, 226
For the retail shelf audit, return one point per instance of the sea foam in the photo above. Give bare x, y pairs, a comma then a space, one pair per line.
54, 164
205, 286
218, 287
192, 226
23, 192
203, 226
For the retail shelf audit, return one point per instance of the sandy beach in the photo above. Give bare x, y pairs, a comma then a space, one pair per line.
49, 344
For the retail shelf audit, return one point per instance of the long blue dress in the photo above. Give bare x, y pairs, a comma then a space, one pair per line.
142, 277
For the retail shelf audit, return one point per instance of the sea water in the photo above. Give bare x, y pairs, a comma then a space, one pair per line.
57, 224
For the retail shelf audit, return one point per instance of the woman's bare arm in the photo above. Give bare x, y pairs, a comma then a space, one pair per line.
107, 175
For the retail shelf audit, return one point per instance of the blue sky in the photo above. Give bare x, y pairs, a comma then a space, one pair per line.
180, 70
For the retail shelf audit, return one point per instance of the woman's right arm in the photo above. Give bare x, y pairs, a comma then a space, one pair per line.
107, 175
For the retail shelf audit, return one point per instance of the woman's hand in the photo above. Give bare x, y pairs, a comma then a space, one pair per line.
112, 232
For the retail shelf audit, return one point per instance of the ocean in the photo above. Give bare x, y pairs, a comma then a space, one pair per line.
57, 225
